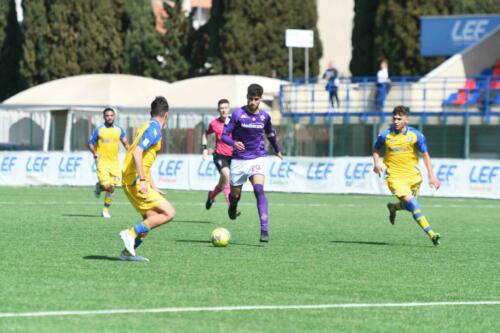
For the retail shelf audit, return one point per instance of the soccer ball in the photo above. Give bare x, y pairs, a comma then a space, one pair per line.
220, 237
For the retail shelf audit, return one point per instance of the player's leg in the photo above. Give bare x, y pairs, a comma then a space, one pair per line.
257, 181
219, 164
224, 181
108, 199
238, 176
393, 208
112, 179
154, 208
413, 206
234, 198
399, 189
101, 179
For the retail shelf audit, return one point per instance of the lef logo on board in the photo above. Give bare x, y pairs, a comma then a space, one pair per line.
168, 170
207, 169
445, 173
36, 164
356, 173
319, 171
8, 164
69, 166
467, 31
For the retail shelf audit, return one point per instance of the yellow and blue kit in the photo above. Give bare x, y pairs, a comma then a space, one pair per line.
149, 139
401, 159
106, 140
403, 175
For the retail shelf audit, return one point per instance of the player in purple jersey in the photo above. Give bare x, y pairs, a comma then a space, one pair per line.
245, 132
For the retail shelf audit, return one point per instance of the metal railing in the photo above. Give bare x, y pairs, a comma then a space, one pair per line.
362, 97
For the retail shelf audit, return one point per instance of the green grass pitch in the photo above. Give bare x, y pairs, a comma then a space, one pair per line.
59, 255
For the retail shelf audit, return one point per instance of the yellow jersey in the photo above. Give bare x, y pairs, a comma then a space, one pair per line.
148, 137
107, 140
401, 151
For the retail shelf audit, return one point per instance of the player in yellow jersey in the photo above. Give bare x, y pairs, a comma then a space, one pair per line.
402, 144
138, 185
103, 145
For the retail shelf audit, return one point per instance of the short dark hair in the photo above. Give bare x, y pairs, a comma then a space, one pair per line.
401, 110
255, 90
222, 101
159, 106
108, 109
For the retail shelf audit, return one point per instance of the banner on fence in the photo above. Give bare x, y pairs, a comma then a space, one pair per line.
459, 178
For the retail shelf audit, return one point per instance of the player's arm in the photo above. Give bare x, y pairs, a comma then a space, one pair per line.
125, 143
378, 167
93, 151
123, 139
204, 147
137, 154
433, 181
422, 148
93, 142
271, 136
226, 138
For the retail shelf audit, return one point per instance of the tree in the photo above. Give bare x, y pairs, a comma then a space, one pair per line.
149, 53
363, 60
398, 34
10, 50
175, 41
64, 38
34, 62
391, 29
101, 35
142, 42
249, 36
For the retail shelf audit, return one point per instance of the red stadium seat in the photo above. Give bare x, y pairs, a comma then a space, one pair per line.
470, 84
461, 98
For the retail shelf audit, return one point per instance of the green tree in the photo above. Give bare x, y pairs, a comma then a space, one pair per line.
391, 29
176, 42
64, 38
101, 35
151, 54
363, 60
249, 36
142, 42
34, 62
475, 7
10, 50
398, 34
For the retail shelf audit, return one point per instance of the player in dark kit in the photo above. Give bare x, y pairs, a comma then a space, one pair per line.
222, 154
245, 132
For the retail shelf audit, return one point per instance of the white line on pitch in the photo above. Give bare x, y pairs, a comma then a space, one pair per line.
243, 308
283, 204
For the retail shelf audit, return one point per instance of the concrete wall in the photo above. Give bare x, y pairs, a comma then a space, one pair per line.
335, 23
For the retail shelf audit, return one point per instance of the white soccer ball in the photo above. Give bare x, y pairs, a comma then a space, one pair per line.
220, 237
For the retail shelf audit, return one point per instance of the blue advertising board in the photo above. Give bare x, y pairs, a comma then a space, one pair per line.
447, 35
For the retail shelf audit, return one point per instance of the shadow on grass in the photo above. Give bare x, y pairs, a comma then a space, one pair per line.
376, 243
95, 257
210, 243
81, 215
186, 221
359, 242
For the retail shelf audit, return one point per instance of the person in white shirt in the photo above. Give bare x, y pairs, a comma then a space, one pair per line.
383, 84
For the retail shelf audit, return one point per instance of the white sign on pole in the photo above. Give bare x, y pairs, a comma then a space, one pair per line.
299, 38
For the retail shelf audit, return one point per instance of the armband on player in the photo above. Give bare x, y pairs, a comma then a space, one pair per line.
203, 147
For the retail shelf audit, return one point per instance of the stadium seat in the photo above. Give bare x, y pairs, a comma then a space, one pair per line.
450, 99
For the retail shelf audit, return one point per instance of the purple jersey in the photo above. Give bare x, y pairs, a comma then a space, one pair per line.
249, 128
